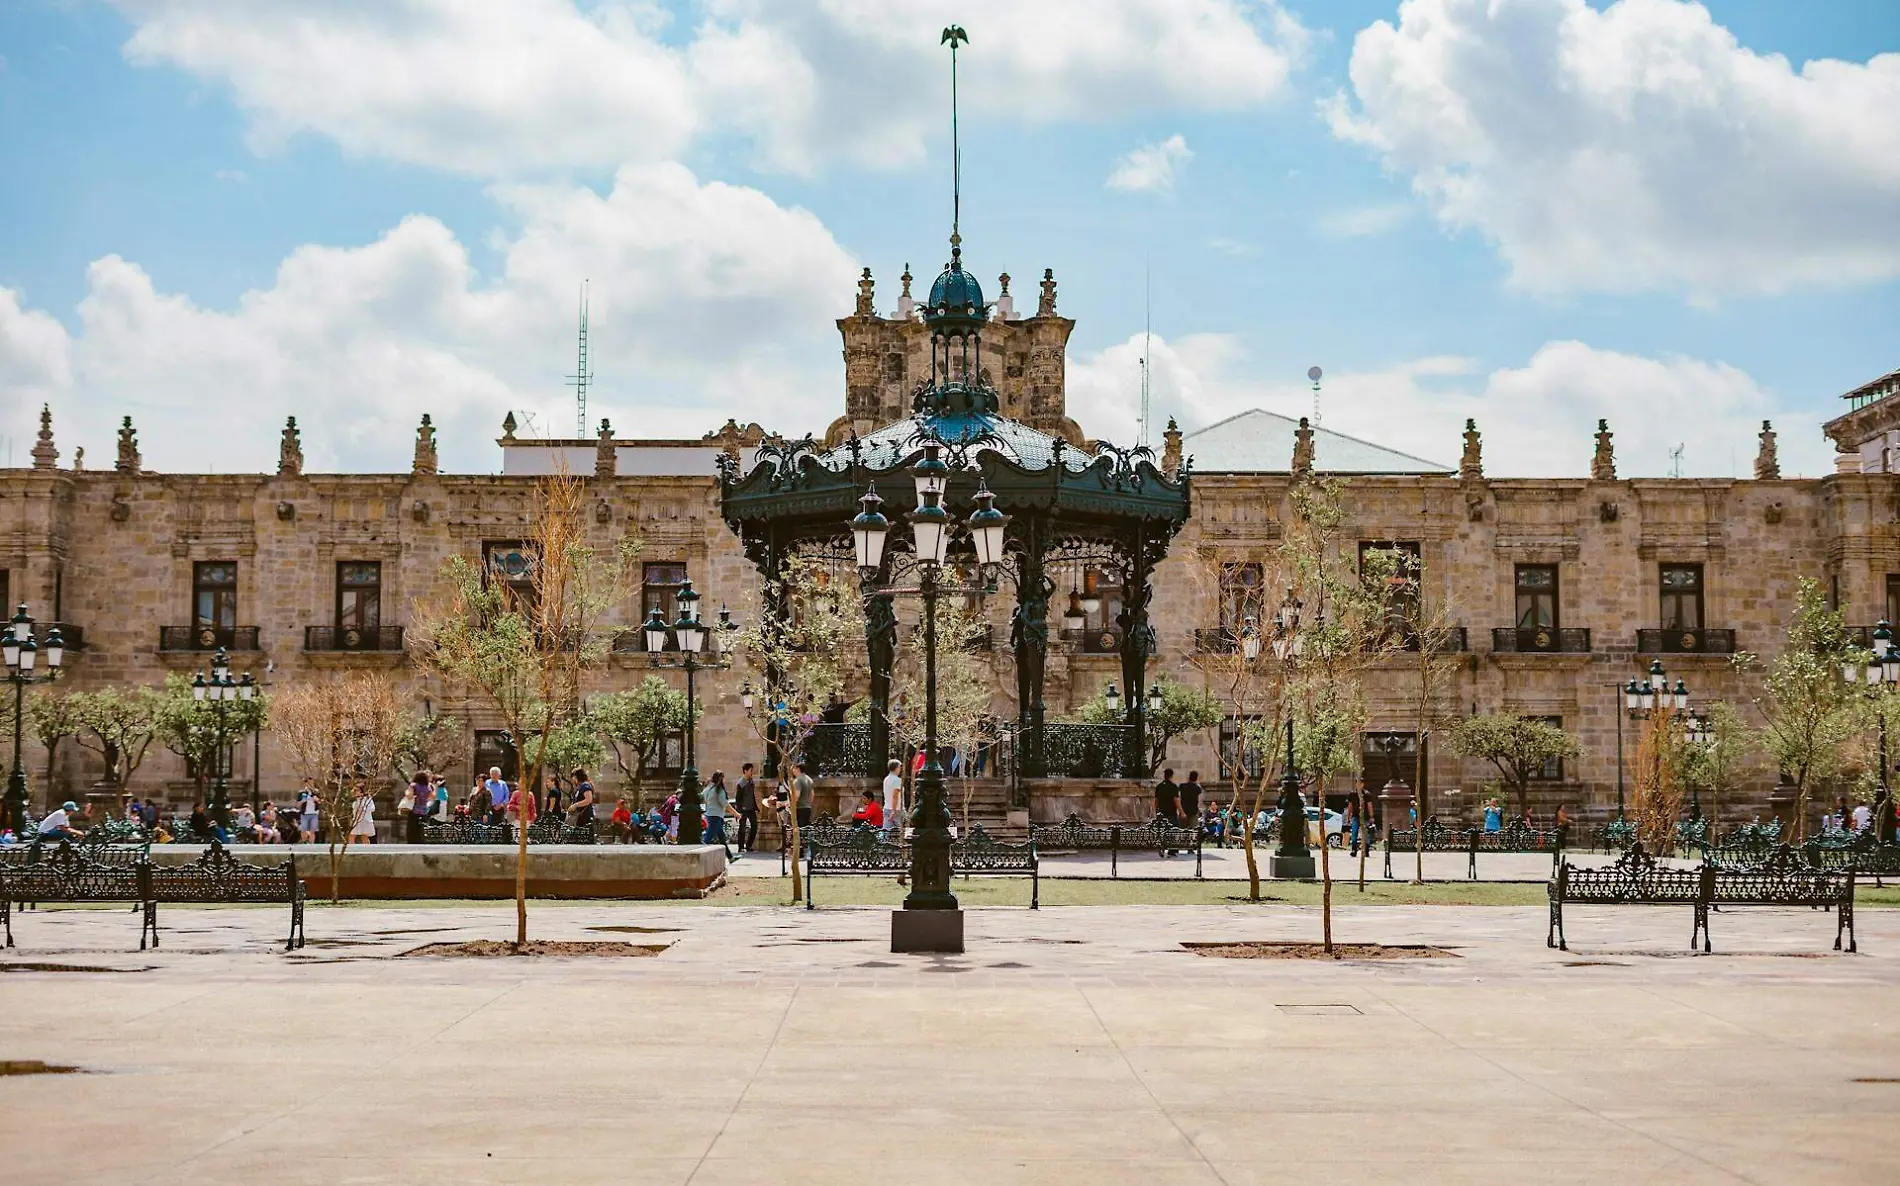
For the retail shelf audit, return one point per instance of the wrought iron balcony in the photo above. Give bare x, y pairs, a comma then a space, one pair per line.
1544, 640
207, 638
838, 751
1685, 641
1452, 638
1074, 750
1093, 640
352, 638
1220, 640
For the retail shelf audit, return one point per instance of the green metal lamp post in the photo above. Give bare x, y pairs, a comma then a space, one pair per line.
1879, 677
1291, 858
21, 652
689, 637
222, 692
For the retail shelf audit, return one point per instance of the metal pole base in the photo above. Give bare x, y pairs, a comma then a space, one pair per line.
1292, 866
939, 931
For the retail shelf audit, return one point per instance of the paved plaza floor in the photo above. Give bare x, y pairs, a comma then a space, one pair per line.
1084, 1045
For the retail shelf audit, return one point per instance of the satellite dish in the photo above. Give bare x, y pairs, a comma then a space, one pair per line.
1313, 373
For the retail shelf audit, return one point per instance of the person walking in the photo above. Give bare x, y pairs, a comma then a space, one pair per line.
745, 800
363, 818
1168, 797
420, 798
714, 800
893, 794
580, 813
1190, 792
803, 789
307, 812
497, 789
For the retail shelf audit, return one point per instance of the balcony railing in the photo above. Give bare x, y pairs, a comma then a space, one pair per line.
207, 638
1074, 750
72, 637
1451, 638
1685, 641
838, 751
1093, 640
1220, 640
352, 638
1542, 640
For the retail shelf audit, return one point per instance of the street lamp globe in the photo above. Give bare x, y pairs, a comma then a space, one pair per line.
688, 601
28, 648
655, 630
1091, 601
22, 624
745, 696
1682, 696
930, 524
1155, 698
869, 531
198, 685
1249, 638
932, 473
1112, 697
1075, 618
56, 648
986, 525
246, 687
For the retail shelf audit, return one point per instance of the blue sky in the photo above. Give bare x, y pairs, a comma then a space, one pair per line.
1534, 212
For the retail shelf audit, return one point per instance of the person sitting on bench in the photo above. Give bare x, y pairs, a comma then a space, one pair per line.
57, 825
870, 812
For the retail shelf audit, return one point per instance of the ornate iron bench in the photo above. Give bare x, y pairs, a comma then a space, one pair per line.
1517, 837
30, 874
1861, 852
1437, 837
465, 831
552, 829
217, 876
862, 853
1157, 835
1635, 879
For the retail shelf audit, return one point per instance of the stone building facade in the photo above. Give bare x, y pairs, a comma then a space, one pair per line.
305, 574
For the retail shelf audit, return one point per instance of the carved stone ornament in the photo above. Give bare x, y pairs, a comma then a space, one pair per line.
1608, 512
602, 512
286, 511
121, 509
419, 511
1775, 513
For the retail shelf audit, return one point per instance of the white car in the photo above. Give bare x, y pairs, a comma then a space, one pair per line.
1335, 826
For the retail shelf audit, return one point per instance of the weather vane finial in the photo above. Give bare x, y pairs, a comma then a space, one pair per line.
954, 36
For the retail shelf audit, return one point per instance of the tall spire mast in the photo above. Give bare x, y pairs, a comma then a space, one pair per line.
954, 36
581, 376
1147, 350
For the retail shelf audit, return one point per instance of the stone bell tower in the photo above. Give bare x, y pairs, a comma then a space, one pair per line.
887, 358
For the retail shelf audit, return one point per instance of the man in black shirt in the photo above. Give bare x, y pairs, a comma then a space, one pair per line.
1191, 798
746, 799
1168, 797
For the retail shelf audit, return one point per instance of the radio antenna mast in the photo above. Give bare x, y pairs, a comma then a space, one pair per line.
581, 376
954, 36
1314, 373
1147, 349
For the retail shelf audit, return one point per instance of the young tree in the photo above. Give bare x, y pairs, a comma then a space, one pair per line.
432, 743
522, 646
194, 730
1712, 765
1517, 745
1810, 716
574, 743
1183, 710
794, 649
343, 734
1423, 626
635, 723
52, 717
121, 723
966, 680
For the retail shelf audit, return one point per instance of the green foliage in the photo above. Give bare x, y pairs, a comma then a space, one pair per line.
633, 723
1517, 745
1711, 766
573, 743
118, 724
192, 728
1810, 716
1184, 709
432, 743
51, 718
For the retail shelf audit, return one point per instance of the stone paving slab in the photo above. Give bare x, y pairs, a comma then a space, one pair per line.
1085, 1045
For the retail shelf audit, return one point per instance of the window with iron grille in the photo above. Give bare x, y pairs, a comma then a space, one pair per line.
1893, 597
1248, 764
214, 594
660, 582
1552, 770
359, 595
1241, 593
492, 751
511, 564
1681, 588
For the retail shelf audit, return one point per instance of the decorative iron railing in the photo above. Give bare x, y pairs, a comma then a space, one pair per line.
1451, 638
1220, 640
1545, 640
1092, 640
1678, 641
207, 638
1073, 750
839, 751
352, 638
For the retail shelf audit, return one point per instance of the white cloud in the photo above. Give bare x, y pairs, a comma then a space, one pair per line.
1538, 419
1151, 168
1355, 222
1635, 147
708, 300
506, 89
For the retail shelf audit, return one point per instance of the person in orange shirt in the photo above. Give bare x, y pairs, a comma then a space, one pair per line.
520, 799
870, 812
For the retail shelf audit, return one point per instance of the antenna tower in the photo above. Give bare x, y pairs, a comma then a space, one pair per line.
1147, 349
1314, 373
954, 36
1675, 460
581, 376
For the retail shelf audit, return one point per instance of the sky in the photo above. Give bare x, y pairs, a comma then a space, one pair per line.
1681, 218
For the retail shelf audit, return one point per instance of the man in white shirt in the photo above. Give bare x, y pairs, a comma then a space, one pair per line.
1863, 815
57, 825
893, 795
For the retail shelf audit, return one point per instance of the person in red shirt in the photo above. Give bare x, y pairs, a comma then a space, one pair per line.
519, 797
869, 812
621, 821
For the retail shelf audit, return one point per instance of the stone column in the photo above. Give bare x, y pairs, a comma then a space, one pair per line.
1784, 802
1395, 805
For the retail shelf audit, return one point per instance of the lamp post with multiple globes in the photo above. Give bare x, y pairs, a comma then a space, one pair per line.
221, 692
22, 653
689, 637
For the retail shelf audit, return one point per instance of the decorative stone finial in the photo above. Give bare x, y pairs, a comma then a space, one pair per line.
1471, 465
79, 460
867, 295
427, 461
1767, 464
1303, 451
906, 307
606, 459
1046, 307
1171, 449
129, 461
45, 455
1603, 465
290, 452
1005, 304
508, 427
